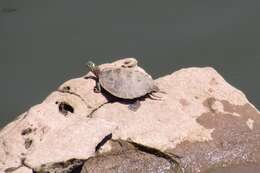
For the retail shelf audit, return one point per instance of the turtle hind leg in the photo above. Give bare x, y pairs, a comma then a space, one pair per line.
155, 97
134, 106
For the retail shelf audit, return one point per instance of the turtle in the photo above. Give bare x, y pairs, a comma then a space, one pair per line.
124, 83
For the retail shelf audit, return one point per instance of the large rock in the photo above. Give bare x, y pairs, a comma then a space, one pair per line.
200, 123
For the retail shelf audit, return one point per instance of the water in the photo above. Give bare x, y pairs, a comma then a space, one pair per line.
44, 43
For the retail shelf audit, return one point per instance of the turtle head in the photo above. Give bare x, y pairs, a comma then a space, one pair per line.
93, 68
91, 65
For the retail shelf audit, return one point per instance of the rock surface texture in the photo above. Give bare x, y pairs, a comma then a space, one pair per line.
201, 123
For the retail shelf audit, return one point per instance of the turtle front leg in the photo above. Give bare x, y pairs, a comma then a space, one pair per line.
97, 88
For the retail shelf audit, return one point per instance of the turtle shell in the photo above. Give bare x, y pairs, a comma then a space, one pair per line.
126, 83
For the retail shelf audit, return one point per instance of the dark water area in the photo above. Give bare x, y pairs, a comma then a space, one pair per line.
44, 43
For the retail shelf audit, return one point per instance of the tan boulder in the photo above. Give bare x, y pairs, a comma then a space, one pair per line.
201, 119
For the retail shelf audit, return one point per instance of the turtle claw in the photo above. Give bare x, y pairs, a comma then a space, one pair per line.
97, 90
155, 97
